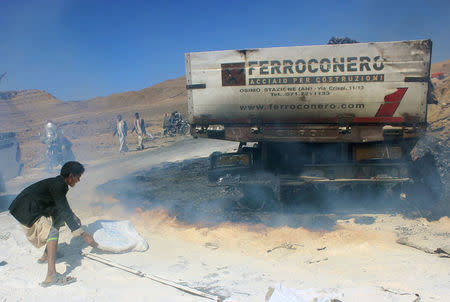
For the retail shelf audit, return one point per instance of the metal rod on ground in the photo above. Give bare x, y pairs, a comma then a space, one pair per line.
152, 277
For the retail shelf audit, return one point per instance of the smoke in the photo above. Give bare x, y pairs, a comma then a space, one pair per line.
430, 195
177, 188
181, 194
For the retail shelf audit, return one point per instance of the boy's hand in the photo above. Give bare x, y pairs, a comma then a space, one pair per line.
89, 240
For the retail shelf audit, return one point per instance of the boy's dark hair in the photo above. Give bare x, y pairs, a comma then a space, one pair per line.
136, 114
73, 167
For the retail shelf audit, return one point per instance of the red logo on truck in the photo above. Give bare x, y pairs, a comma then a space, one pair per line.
385, 113
391, 103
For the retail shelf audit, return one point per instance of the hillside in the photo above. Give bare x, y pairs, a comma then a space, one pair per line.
438, 115
18, 109
97, 116
88, 124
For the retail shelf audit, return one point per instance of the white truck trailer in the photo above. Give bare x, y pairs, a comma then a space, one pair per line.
338, 115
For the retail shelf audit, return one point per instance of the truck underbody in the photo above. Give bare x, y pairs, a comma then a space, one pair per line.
284, 166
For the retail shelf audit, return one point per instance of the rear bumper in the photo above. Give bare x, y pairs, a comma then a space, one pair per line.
311, 133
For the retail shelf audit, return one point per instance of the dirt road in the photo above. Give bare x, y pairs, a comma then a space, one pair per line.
203, 236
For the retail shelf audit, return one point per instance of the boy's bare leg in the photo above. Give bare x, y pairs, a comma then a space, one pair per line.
51, 259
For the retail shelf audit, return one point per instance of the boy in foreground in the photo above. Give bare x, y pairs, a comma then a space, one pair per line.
42, 208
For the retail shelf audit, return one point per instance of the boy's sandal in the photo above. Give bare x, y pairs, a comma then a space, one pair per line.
59, 280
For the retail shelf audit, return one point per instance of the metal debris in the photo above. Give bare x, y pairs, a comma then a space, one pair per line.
312, 261
286, 245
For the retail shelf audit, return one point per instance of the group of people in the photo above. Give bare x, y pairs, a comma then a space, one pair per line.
42, 208
53, 136
122, 130
171, 125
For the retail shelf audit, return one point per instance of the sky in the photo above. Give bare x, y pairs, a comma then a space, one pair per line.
81, 49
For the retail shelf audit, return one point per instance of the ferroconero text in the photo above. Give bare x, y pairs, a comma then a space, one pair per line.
313, 65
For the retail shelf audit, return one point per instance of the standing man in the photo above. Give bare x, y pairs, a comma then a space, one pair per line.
139, 127
121, 130
42, 208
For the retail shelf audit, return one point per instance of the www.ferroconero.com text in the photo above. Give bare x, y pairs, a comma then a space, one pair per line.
294, 107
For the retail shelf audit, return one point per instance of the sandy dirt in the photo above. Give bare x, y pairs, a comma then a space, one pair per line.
202, 237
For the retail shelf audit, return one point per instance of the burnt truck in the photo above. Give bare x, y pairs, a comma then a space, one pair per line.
339, 116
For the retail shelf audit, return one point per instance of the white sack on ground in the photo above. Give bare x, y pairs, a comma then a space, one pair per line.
117, 236
284, 294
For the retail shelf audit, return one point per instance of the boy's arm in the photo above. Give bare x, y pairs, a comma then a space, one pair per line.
89, 240
58, 191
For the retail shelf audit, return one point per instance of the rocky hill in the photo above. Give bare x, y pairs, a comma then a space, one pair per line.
97, 116
439, 114
33, 107
19, 109
88, 124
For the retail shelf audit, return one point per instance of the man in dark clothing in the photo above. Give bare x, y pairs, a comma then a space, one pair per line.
42, 208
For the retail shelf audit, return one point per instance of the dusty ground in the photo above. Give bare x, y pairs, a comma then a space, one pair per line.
201, 236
